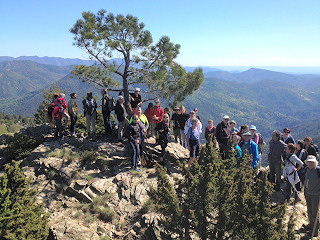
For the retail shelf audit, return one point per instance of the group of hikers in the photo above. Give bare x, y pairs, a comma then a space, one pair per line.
300, 158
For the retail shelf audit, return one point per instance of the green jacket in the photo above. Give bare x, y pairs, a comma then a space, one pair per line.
143, 119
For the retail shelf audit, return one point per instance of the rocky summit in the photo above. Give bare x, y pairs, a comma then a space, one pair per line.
91, 192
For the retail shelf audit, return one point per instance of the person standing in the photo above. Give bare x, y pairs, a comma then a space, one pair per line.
250, 147
310, 147
312, 194
183, 117
148, 113
163, 128
57, 114
176, 125
136, 132
90, 112
210, 132
292, 165
107, 105
287, 137
73, 112
222, 135
157, 115
193, 140
277, 151
135, 100
121, 116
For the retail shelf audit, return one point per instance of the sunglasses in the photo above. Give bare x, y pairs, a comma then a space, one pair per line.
165, 117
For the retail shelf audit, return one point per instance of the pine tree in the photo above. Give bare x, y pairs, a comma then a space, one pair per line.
20, 216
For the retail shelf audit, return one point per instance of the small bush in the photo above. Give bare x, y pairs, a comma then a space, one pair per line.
19, 146
107, 214
148, 206
89, 156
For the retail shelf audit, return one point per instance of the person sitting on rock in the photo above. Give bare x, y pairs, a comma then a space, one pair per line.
136, 134
163, 129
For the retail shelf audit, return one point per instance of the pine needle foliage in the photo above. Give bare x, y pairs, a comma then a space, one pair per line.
20, 216
218, 199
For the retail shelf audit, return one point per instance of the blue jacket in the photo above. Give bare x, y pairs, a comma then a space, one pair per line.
254, 151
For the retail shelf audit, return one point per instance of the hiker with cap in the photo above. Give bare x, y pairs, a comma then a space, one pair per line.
287, 137
176, 125
90, 112
312, 193
250, 147
157, 114
277, 151
135, 100
121, 113
257, 138
107, 105
292, 165
222, 135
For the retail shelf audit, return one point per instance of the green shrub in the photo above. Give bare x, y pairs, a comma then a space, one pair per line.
81, 125
19, 146
20, 216
107, 214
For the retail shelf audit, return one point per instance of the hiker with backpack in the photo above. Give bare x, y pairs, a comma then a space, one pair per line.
176, 125
250, 147
57, 114
163, 129
193, 140
287, 137
121, 114
90, 112
302, 154
73, 112
136, 134
312, 194
277, 151
64, 107
292, 165
107, 105
311, 148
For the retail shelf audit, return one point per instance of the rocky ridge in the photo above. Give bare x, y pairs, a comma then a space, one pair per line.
91, 191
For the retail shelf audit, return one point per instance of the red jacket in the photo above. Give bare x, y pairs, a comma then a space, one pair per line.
57, 113
148, 113
159, 112
64, 104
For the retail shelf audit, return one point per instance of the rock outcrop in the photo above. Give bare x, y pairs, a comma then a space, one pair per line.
91, 191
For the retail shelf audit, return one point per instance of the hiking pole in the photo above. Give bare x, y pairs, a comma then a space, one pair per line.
315, 223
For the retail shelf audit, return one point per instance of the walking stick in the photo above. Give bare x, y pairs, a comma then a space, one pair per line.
315, 223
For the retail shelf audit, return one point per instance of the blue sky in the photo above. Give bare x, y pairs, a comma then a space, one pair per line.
211, 33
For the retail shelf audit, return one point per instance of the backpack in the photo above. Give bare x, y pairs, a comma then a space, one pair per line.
51, 108
90, 106
109, 104
317, 150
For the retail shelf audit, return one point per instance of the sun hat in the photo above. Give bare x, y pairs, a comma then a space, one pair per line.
253, 127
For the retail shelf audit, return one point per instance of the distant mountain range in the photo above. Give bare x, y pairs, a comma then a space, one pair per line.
268, 99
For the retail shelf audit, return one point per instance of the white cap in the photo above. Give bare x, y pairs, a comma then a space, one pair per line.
311, 158
137, 90
226, 117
